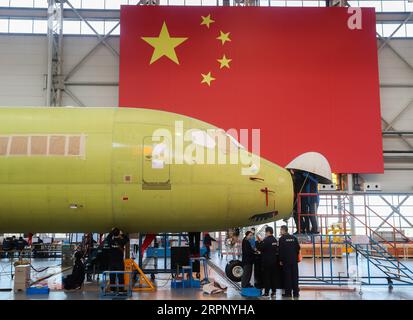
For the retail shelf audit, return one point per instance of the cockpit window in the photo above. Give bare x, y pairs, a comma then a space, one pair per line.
226, 142
213, 137
235, 142
201, 138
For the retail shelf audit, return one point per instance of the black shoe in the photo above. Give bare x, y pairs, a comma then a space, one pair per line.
287, 295
265, 294
296, 295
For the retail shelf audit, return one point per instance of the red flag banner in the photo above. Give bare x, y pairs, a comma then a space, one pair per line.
306, 77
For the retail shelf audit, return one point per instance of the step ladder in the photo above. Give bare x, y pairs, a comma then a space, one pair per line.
378, 256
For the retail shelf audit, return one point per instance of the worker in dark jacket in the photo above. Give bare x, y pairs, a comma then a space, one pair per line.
207, 243
269, 262
116, 242
76, 279
21, 244
289, 249
248, 257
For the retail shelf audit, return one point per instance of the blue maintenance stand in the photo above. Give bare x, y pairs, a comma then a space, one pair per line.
187, 271
37, 290
190, 282
204, 262
116, 293
251, 292
160, 252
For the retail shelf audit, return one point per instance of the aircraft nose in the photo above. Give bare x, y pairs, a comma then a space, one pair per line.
264, 197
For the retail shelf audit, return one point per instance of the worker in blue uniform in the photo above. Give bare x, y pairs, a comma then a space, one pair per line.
298, 184
309, 204
289, 250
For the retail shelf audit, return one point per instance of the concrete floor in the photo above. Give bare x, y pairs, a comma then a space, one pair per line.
91, 290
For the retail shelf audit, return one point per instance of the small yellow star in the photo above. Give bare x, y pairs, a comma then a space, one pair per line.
207, 21
224, 37
207, 78
224, 62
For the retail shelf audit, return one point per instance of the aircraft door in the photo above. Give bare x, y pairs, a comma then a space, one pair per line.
156, 168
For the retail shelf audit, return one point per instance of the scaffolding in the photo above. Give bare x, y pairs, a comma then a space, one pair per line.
369, 232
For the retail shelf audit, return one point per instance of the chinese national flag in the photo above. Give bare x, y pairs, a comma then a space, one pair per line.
303, 76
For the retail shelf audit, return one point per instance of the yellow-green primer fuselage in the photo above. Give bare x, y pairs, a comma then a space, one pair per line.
88, 169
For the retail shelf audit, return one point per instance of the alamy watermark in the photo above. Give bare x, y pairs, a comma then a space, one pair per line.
206, 147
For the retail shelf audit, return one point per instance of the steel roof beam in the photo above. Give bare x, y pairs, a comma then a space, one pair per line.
113, 14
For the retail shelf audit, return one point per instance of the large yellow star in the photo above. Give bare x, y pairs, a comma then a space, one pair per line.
224, 62
224, 37
207, 21
164, 45
207, 78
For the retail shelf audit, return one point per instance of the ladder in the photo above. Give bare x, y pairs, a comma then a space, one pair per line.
380, 257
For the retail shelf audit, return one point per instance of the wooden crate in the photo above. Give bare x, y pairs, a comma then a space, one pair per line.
307, 250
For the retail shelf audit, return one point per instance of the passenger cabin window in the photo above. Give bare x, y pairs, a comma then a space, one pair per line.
74, 146
38, 145
57, 145
4, 143
19, 146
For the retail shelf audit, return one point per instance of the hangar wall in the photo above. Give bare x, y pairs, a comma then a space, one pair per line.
23, 68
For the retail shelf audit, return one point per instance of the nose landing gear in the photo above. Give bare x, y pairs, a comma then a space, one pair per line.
233, 270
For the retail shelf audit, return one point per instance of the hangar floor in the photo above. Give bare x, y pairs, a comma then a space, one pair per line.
91, 292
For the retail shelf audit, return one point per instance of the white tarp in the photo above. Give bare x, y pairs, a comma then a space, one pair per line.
312, 162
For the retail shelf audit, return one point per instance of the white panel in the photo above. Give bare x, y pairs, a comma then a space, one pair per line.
109, 25
101, 96
97, 25
20, 26
40, 26
393, 180
21, 3
394, 6
4, 25
393, 100
93, 4
71, 27
40, 4
115, 4
23, 61
371, 4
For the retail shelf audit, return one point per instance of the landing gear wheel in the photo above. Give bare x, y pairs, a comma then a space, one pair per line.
234, 271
